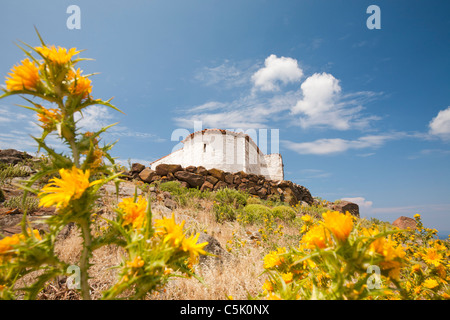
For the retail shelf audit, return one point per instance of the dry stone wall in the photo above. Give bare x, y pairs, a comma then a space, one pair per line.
214, 179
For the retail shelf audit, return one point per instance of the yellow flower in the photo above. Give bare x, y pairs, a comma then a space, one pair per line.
171, 231
415, 268
136, 263
58, 55
23, 77
273, 259
387, 248
134, 213
48, 118
287, 277
272, 296
80, 85
306, 218
432, 257
71, 186
317, 236
268, 286
195, 249
7, 243
430, 283
339, 224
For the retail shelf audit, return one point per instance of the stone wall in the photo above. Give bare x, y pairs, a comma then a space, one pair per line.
214, 179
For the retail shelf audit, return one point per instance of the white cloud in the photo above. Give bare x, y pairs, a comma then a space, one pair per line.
337, 145
275, 70
361, 202
322, 104
440, 125
226, 75
94, 118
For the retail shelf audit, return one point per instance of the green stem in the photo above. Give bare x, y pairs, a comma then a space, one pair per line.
84, 261
76, 156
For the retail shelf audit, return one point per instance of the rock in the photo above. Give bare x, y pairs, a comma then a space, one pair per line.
13, 156
191, 169
184, 184
163, 169
201, 171
137, 168
262, 193
228, 178
147, 175
169, 203
217, 173
237, 180
156, 178
207, 186
255, 236
212, 180
220, 185
162, 210
242, 174
166, 195
405, 223
344, 206
212, 247
194, 180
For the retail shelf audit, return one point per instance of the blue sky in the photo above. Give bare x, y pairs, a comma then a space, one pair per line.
362, 113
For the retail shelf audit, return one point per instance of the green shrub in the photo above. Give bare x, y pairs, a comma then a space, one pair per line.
285, 213
30, 205
253, 213
174, 187
254, 200
9, 171
231, 196
274, 200
225, 212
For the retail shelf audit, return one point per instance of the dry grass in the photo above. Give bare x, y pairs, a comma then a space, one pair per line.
238, 276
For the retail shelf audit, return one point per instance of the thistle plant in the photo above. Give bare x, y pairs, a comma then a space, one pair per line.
152, 254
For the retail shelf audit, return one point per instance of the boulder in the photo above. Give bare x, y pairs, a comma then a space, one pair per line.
201, 171
217, 173
405, 223
194, 180
169, 203
12, 156
191, 169
212, 180
163, 169
262, 193
344, 206
147, 175
220, 185
228, 178
212, 247
207, 186
137, 168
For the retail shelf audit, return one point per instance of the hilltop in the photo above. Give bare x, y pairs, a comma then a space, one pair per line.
242, 217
